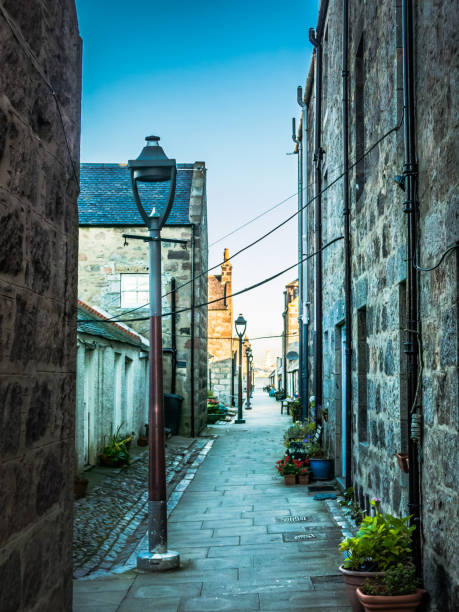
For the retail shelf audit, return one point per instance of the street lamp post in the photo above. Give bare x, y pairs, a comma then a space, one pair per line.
252, 376
248, 354
153, 166
240, 324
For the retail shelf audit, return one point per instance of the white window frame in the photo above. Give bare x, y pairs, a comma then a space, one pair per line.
134, 290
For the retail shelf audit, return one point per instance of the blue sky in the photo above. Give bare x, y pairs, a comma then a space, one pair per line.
217, 81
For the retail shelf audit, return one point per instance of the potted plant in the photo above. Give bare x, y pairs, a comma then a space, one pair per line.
116, 453
288, 469
303, 472
295, 409
403, 462
396, 590
382, 541
319, 464
215, 412
299, 432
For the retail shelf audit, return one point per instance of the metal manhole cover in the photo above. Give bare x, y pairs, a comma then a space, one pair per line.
298, 537
292, 519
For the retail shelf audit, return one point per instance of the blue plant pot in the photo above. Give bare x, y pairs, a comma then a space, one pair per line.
320, 468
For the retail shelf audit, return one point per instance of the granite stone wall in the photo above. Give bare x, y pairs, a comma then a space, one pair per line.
40, 49
221, 344
380, 418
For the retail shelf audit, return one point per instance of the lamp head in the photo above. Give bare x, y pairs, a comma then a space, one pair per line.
152, 165
240, 324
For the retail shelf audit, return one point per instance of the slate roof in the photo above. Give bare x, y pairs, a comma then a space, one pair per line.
106, 197
119, 332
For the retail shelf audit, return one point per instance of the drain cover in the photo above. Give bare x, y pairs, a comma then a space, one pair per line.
298, 537
293, 519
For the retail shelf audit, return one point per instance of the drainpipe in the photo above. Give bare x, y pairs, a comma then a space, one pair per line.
347, 250
301, 182
305, 246
174, 336
192, 333
410, 175
233, 403
315, 38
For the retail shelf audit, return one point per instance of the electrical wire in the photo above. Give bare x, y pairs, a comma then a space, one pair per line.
28, 52
285, 221
450, 249
240, 292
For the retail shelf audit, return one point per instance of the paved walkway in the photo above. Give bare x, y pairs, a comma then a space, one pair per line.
110, 520
247, 542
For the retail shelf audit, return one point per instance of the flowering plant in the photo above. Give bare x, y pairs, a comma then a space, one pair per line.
286, 466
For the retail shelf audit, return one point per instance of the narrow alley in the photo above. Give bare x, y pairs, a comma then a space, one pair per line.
246, 541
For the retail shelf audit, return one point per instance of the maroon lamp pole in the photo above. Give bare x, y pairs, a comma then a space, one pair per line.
153, 166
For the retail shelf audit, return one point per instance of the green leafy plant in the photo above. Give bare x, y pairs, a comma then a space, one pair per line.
299, 432
116, 450
381, 542
398, 580
295, 409
350, 507
315, 451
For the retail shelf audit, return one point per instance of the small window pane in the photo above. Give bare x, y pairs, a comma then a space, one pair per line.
143, 282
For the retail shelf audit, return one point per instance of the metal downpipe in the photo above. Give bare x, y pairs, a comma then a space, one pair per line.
347, 251
410, 174
318, 324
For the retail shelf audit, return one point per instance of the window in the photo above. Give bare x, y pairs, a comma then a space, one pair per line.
134, 290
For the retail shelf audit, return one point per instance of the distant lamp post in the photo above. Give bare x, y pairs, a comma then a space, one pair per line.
153, 166
241, 325
252, 376
248, 354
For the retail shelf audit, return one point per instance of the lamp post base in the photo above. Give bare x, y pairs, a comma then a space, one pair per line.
238, 421
158, 562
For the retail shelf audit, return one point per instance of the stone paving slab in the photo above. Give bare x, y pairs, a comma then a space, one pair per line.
237, 552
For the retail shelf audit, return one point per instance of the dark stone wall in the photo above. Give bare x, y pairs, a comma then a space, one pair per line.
38, 258
378, 233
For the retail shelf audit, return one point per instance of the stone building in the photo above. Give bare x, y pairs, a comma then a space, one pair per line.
222, 346
291, 335
113, 275
389, 415
40, 81
112, 382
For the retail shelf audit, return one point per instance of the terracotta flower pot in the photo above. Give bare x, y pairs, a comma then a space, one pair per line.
403, 462
290, 479
391, 603
303, 479
352, 580
142, 441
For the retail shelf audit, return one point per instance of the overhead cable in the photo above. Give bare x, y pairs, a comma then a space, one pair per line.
240, 292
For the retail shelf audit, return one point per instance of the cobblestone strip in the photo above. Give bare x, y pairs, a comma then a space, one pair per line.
109, 522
